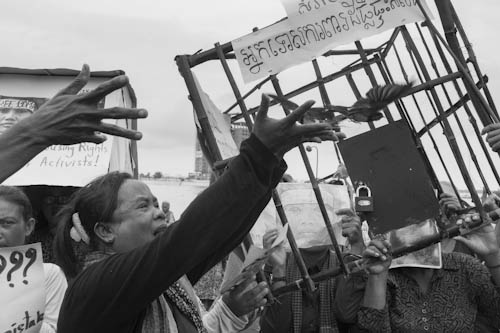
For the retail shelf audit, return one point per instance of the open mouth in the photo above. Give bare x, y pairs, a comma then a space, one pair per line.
160, 230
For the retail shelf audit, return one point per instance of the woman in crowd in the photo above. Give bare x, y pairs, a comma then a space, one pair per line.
131, 278
446, 299
16, 223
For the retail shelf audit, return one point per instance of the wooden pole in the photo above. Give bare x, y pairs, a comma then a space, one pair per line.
450, 137
277, 201
315, 186
443, 6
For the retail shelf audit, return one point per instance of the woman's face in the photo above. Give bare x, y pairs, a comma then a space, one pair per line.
13, 228
137, 219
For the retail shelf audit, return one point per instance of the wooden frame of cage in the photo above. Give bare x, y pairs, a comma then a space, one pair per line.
449, 66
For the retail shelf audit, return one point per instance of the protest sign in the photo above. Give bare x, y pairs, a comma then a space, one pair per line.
74, 165
303, 213
314, 27
22, 286
220, 125
429, 257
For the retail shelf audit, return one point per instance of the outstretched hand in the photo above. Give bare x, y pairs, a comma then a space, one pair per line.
281, 135
68, 118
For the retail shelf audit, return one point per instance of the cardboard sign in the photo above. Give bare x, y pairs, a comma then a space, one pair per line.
74, 165
429, 257
314, 27
22, 286
219, 123
304, 216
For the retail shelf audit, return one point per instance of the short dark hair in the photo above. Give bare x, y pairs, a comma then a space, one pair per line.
17, 197
95, 202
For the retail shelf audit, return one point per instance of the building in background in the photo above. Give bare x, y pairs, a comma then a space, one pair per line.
239, 132
201, 167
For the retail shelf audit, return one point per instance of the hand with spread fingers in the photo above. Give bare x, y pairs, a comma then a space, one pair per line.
246, 297
377, 256
351, 229
281, 135
68, 118
65, 119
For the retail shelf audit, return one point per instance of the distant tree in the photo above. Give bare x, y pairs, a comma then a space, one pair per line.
148, 175
157, 175
141, 175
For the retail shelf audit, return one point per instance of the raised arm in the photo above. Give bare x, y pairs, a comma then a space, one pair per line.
212, 225
65, 119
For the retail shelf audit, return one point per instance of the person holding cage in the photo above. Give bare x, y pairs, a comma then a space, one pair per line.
447, 299
131, 278
302, 311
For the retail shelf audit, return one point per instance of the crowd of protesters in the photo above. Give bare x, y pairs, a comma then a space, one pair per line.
123, 265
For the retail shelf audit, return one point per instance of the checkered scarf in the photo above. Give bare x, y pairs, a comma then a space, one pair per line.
328, 324
157, 318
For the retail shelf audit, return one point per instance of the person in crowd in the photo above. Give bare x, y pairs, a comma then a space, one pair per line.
169, 215
132, 278
47, 201
435, 300
301, 311
66, 119
17, 223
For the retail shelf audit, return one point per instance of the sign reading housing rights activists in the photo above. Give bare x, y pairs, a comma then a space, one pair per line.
22, 94
316, 26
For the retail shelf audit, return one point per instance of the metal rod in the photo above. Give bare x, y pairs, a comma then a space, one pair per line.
360, 265
459, 123
251, 91
326, 101
431, 137
371, 76
472, 56
404, 115
442, 6
277, 201
461, 102
357, 94
311, 85
472, 119
447, 128
315, 186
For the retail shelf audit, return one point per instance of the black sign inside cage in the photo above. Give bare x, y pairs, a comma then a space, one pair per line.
387, 160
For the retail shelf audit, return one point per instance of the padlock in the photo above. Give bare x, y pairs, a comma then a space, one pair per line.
363, 201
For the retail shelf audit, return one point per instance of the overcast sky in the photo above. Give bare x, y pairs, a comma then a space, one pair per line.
143, 37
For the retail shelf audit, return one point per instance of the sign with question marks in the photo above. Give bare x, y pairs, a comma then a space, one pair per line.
22, 286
